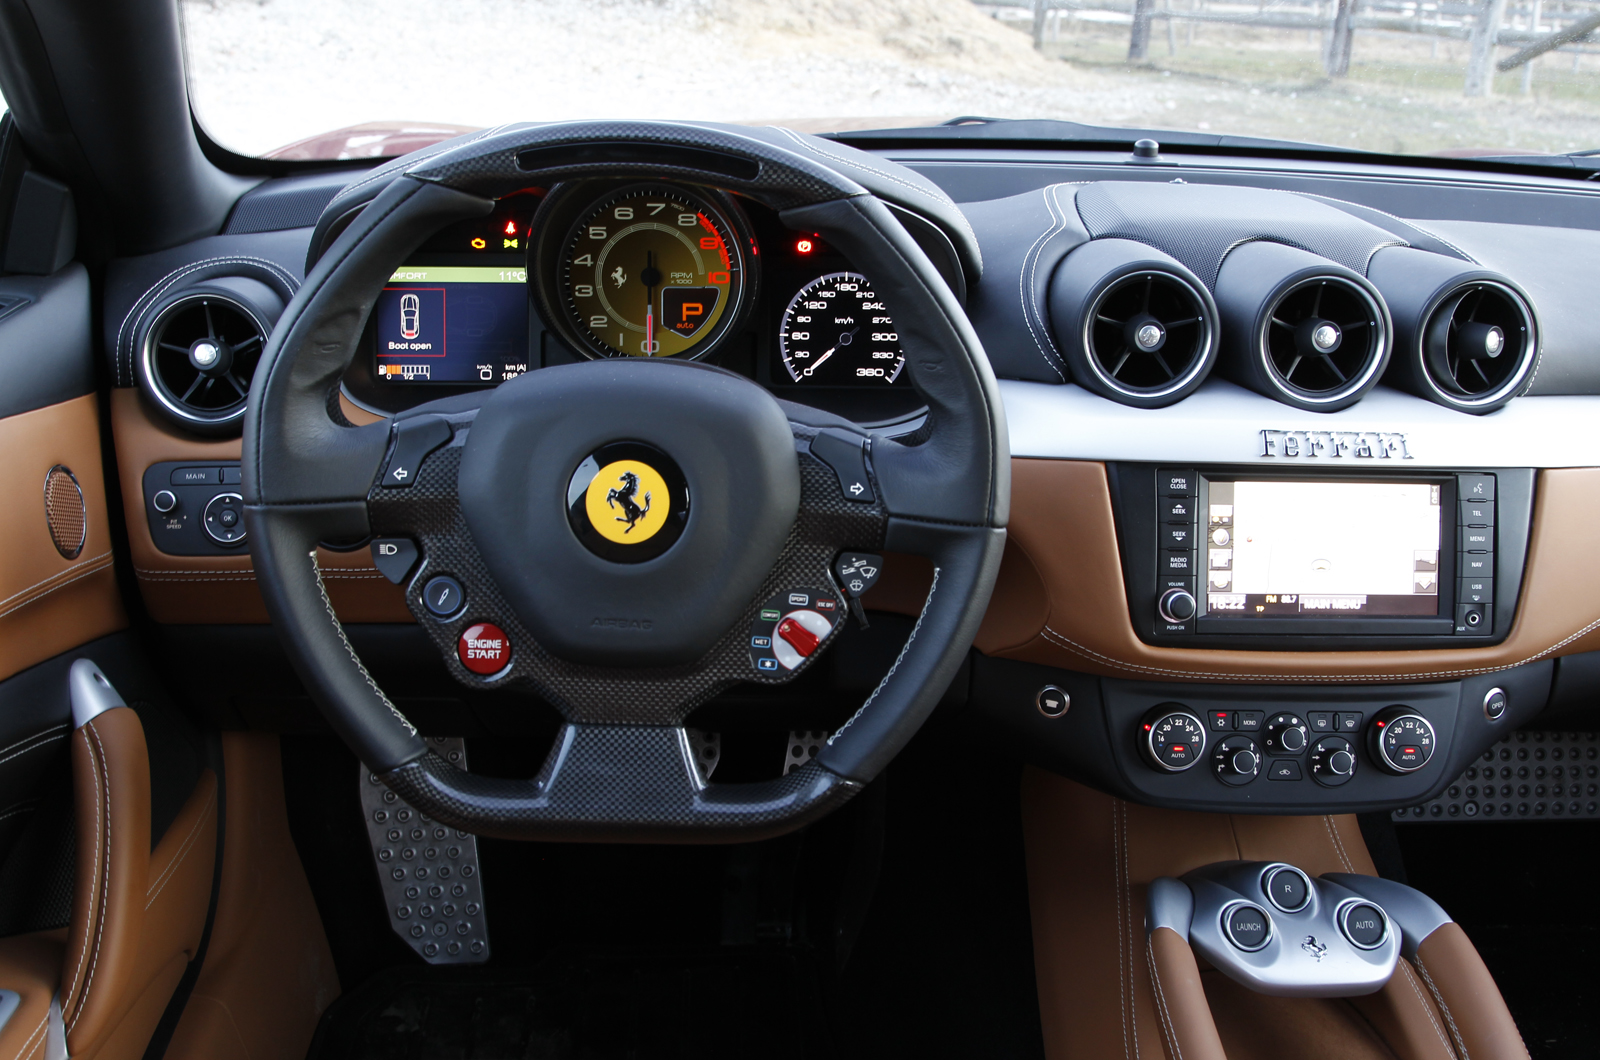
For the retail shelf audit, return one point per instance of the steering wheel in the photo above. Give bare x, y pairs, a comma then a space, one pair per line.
747, 508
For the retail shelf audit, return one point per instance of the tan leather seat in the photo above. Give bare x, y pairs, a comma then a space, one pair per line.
137, 914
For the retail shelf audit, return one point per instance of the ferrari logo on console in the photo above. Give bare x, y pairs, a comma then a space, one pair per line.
628, 502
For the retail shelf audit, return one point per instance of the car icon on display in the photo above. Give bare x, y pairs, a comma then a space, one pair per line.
410, 315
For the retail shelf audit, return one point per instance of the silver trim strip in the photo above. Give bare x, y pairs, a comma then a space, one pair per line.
1221, 423
92, 693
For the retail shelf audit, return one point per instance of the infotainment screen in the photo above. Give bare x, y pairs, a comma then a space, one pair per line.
452, 324
1284, 549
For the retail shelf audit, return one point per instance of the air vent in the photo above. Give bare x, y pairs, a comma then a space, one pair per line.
1147, 331
198, 358
1478, 346
1133, 324
1324, 339
1300, 328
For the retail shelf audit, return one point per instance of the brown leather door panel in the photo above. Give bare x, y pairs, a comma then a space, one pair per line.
220, 589
53, 599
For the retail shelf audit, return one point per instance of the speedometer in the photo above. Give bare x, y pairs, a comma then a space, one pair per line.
837, 331
651, 270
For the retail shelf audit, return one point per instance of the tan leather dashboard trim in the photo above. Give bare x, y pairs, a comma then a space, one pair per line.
1062, 524
49, 603
220, 589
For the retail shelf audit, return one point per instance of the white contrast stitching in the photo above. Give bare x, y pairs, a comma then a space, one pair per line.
183, 852
25, 1052
1123, 975
60, 732
1427, 1010
1161, 998
78, 571
105, 879
1030, 264
1338, 844
1073, 646
166, 283
338, 628
1444, 1010
898, 660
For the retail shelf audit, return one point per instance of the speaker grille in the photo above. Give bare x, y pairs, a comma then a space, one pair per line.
65, 512
1324, 339
1478, 344
1148, 334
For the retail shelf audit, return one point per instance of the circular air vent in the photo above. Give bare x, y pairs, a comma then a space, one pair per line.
1131, 323
1479, 346
1324, 341
1148, 334
199, 355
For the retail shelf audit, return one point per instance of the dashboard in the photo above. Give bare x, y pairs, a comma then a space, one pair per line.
597, 269
1299, 447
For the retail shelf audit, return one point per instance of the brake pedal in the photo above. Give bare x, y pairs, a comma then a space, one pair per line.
430, 876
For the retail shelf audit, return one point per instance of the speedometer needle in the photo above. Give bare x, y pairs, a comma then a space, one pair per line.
814, 365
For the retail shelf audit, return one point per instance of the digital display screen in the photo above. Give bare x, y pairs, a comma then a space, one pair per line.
1277, 549
452, 324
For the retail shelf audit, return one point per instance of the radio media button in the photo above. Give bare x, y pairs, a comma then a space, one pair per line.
1475, 591
1475, 487
1177, 509
1177, 563
1477, 513
1475, 538
1175, 483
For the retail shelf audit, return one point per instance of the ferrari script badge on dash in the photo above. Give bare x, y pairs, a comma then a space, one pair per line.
628, 502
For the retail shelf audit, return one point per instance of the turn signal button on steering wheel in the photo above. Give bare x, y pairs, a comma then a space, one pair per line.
484, 648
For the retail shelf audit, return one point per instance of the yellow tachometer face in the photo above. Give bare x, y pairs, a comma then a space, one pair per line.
652, 271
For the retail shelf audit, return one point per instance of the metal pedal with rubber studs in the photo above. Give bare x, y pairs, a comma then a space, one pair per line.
428, 872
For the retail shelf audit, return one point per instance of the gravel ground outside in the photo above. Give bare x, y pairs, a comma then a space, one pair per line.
267, 72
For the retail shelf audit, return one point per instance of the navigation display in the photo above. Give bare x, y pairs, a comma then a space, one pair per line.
1324, 549
452, 324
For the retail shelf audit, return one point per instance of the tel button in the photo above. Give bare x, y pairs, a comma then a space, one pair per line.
484, 648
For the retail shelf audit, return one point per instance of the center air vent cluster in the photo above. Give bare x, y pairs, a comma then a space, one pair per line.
199, 348
1135, 325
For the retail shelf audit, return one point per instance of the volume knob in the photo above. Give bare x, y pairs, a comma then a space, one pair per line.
1176, 605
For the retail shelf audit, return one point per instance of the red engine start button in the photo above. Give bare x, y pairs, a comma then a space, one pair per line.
484, 648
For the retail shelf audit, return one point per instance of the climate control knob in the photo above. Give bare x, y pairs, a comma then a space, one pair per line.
1176, 605
1333, 761
1286, 734
1401, 740
1236, 760
1171, 738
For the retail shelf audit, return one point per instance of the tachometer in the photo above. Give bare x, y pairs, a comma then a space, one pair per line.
837, 331
651, 271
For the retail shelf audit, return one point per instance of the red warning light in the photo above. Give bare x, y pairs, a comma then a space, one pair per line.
804, 246
511, 228
1147, 727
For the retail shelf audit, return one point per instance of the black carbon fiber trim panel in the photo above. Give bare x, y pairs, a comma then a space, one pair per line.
616, 783
491, 167
1200, 223
429, 513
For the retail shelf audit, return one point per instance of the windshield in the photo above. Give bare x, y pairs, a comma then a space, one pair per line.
362, 78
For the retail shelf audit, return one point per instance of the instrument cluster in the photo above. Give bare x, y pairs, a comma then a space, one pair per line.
596, 269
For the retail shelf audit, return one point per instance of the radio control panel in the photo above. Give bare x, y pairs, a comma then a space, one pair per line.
1296, 559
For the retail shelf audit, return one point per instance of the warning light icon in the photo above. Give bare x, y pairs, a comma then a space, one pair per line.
478, 242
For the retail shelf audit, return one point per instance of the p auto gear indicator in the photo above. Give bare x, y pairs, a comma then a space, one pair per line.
792, 627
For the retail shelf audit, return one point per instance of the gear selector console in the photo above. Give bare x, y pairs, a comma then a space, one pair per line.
1276, 930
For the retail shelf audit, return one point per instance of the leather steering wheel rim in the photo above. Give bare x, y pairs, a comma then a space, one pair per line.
310, 477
